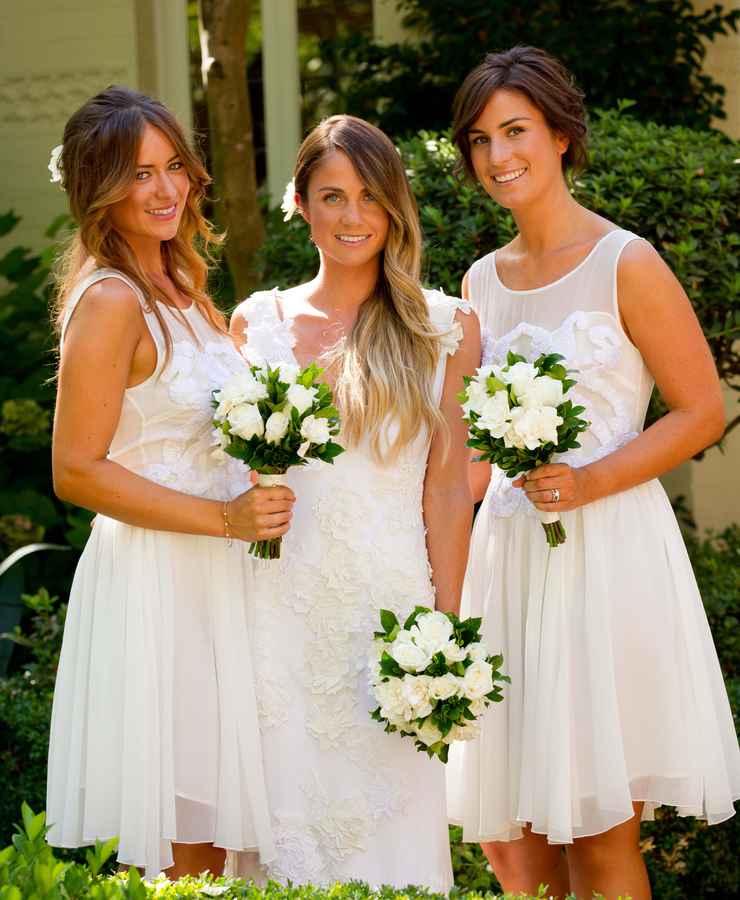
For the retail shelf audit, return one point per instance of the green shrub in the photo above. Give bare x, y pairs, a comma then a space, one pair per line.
30, 870
652, 51
679, 189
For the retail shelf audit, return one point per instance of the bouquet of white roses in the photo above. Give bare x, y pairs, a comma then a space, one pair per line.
519, 419
275, 418
433, 678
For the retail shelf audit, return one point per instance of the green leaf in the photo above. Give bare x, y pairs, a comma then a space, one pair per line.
388, 620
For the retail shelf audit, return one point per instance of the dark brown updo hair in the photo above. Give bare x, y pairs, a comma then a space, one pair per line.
544, 81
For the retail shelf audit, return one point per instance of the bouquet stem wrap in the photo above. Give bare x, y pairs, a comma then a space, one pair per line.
268, 549
554, 531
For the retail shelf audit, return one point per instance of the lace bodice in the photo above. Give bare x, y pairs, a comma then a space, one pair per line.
578, 317
164, 432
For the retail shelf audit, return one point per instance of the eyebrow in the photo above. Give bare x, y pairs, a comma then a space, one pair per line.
152, 166
338, 190
502, 124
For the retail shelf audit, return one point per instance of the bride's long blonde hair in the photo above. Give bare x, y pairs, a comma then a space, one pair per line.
98, 168
388, 361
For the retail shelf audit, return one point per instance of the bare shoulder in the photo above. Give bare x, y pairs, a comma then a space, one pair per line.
644, 278
108, 305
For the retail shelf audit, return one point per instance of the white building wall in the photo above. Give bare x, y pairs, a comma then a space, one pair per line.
53, 56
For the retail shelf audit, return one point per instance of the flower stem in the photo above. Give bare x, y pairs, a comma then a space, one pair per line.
554, 532
266, 549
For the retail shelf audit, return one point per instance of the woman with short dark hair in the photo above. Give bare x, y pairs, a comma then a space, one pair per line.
617, 703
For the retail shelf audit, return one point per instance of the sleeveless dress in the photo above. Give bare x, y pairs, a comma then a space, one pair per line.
154, 732
616, 692
347, 800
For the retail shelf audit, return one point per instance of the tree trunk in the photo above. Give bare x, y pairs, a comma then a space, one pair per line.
222, 25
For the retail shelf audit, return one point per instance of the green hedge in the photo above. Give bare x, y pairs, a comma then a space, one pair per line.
30, 870
678, 188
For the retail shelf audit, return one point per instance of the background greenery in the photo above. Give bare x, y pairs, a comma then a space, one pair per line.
649, 50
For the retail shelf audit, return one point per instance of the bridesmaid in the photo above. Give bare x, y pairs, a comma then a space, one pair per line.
617, 703
154, 735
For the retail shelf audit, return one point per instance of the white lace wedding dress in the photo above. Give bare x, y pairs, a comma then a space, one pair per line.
347, 800
616, 694
154, 733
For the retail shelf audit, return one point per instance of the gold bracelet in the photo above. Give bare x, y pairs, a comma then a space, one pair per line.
227, 524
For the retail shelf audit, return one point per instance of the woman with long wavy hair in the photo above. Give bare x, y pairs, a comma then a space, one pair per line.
386, 526
154, 733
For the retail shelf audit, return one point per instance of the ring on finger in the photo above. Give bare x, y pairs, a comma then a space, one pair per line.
555, 495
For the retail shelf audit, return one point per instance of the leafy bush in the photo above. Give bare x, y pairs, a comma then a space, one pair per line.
29, 512
25, 709
649, 50
676, 187
31, 870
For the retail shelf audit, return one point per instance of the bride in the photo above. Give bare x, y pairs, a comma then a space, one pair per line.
386, 526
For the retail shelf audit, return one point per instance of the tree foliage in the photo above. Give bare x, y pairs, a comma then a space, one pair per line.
651, 51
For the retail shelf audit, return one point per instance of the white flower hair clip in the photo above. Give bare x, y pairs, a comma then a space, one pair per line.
289, 206
56, 174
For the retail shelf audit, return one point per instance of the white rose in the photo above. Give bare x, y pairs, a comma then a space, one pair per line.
478, 707
241, 388
461, 733
453, 652
245, 421
314, 430
477, 651
445, 686
478, 680
276, 427
535, 426
302, 397
393, 706
428, 733
495, 416
520, 376
432, 631
543, 391
477, 396
416, 693
408, 655
288, 372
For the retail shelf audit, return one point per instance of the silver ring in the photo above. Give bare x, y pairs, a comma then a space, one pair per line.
555, 496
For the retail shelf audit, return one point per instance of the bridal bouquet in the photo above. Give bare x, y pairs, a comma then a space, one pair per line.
275, 418
519, 419
433, 678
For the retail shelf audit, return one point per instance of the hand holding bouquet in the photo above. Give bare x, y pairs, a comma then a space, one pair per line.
433, 678
519, 419
274, 418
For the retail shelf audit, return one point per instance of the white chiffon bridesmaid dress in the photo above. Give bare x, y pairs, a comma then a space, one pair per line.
154, 732
616, 693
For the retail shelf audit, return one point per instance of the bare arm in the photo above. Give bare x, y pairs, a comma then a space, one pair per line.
105, 338
448, 507
238, 326
660, 321
479, 473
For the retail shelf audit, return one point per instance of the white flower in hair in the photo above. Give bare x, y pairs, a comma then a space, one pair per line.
288, 205
56, 175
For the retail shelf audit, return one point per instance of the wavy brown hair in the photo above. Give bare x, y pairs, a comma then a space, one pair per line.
388, 361
98, 164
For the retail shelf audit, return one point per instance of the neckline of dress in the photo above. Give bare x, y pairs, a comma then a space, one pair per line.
552, 284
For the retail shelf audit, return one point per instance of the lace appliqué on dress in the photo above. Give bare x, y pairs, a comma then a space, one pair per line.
592, 346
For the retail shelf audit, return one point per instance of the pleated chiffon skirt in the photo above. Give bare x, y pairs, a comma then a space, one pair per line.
616, 695
154, 733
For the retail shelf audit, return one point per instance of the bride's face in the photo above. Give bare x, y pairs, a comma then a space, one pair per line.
347, 223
